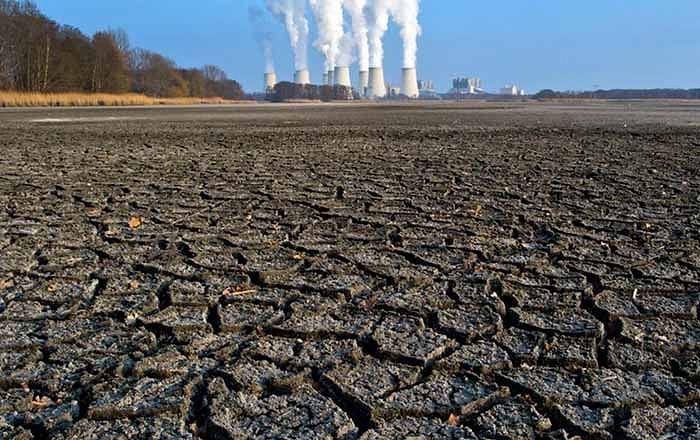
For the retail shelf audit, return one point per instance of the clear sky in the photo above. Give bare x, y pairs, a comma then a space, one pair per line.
559, 44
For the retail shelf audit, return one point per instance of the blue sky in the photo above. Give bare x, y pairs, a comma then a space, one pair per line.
560, 44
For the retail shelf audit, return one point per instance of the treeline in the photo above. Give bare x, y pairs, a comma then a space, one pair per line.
287, 91
622, 94
40, 55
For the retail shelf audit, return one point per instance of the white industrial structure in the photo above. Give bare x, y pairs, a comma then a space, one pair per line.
512, 90
376, 87
427, 85
302, 77
342, 76
426, 89
466, 86
270, 81
409, 83
364, 83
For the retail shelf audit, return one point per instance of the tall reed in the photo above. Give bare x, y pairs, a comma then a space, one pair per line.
23, 99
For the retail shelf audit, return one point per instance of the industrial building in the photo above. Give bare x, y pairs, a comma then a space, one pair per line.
512, 90
409, 83
426, 89
426, 85
466, 86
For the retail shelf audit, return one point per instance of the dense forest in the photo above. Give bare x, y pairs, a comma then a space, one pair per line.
622, 94
40, 55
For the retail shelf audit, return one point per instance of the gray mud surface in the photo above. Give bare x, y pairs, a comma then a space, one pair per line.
457, 271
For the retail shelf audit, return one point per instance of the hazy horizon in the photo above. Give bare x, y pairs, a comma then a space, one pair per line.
541, 44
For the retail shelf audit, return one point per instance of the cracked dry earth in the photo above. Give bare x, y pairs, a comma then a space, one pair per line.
349, 273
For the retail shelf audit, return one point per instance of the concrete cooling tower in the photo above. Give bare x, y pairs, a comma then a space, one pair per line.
331, 81
342, 76
364, 82
270, 81
376, 87
409, 83
302, 77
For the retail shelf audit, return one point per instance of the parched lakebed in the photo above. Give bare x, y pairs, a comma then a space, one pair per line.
487, 270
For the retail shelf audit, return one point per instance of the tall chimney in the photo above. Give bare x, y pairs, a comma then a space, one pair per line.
409, 83
331, 75
270, 81
302, 77
342, 76
364, 82
376, 87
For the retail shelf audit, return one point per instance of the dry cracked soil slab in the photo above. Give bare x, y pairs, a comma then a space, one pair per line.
510, 271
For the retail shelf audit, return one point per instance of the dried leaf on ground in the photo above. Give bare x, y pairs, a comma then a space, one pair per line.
135, 222
41, 402
453, 420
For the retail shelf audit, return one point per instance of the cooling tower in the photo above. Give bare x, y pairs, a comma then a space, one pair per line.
302, 77
331, 75
409, 83
376, 87
342, 76
364, 82
325, 79
270, 81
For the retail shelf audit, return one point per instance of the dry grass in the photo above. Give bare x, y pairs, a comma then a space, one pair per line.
20, 99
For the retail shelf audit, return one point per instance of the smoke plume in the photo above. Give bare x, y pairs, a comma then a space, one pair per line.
377, 13
262, 35
293, 14
329, 18
405, 14
346, 54
356, 11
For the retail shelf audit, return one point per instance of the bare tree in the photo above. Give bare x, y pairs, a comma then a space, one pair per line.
214, 73
37, 54
121, 38
110, 72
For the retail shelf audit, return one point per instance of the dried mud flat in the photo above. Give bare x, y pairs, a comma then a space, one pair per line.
495, 271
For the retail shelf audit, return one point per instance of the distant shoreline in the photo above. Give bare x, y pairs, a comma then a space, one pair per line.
76, 100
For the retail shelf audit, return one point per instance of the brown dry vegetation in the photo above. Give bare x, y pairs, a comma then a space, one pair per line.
24, 99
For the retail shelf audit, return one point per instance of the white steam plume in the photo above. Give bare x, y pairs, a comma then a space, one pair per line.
329, 18
377, 13
405, 14
293, 14
356, 10
262, 35
346, 55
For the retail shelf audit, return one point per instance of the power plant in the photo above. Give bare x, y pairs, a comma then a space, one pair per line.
466, 86
376, 87
342, 76
512, 90
302, 77
364, 83
369, 21
270, 81
409, 83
